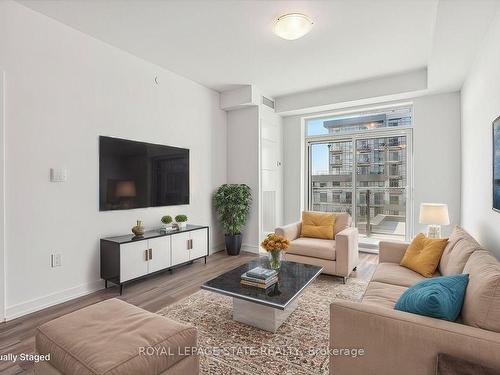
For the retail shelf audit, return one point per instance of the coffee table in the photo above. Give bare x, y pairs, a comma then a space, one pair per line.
267, 308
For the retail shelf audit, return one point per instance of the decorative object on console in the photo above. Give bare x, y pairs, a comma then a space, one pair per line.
439, 297
138, 229
166, 222
435, 215
496, 164
181, 221
423, 254
275, 245
232, 203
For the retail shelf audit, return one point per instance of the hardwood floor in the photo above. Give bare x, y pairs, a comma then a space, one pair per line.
17, 336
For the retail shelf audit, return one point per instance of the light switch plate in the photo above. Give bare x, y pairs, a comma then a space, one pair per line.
55, 260
58, 175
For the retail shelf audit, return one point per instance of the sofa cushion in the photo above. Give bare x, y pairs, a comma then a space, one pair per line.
105, 338
382, 294
313, 247
342, 221
393, 273
423, 254
438, 297
458, 250
482, 299
317, 224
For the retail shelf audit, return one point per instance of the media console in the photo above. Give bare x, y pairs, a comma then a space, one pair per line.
126, 258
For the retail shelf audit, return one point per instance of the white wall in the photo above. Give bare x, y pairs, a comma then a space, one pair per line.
436, 150
243, 164
271, 167
63, 90
2, 200
480, 106
316, 100
293, 168
436, 146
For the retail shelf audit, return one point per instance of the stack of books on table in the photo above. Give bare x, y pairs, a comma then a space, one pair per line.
260, 277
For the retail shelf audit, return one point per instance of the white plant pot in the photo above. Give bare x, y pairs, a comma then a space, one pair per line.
166, 227
182, 225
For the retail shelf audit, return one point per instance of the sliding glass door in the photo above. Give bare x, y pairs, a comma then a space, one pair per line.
381, 180
365, 172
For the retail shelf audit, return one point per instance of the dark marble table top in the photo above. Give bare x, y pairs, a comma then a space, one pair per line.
293, 278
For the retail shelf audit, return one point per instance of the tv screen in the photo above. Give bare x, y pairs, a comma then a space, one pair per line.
137, 174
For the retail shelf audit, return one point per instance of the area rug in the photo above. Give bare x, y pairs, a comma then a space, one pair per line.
298, 347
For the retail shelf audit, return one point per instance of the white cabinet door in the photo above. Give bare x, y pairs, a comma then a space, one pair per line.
159, 253
133, 260
199, 243
180, 248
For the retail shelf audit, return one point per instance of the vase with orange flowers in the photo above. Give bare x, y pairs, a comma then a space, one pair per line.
275, 245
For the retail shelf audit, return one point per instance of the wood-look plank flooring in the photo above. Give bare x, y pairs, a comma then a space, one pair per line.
160, 290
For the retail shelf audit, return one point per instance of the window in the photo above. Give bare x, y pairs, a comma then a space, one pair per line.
360, 122
360, 163
394, 199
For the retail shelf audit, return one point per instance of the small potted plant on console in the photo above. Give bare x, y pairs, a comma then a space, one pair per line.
166, 223
181, 221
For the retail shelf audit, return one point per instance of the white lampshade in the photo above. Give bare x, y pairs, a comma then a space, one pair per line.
434, 213
292, 26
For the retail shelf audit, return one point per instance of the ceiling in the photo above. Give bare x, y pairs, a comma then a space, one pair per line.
226, 43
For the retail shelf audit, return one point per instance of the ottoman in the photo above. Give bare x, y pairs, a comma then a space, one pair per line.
115, 338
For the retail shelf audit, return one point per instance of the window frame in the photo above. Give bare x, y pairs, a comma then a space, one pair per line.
389, 131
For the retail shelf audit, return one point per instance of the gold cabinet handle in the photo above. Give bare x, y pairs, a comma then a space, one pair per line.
146, 255
150, 254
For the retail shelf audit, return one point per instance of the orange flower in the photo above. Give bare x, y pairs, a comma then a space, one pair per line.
275, 242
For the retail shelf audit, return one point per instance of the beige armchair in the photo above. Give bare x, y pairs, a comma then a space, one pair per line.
338, 257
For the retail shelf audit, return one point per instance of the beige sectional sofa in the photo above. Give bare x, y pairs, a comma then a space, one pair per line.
114, 337
337, 257
396, 342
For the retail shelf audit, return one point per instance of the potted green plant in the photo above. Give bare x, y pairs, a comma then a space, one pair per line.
166, 222
181, 221
232, 203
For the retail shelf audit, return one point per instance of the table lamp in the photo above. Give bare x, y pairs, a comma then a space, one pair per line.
434, 215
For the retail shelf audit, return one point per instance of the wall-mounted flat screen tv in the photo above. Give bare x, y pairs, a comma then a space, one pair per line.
137, 174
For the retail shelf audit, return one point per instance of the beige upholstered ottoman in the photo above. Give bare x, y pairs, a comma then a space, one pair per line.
116, 338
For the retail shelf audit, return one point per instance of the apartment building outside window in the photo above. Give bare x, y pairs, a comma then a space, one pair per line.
363, 160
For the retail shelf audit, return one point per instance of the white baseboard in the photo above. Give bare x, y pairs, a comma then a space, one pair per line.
48, 300
250, 248
24, 308
217, 248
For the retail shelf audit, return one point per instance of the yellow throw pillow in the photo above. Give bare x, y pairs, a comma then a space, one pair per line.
317, 224
423, 254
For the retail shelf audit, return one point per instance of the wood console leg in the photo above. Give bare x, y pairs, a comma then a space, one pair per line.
121, 289
105, 284
205, 260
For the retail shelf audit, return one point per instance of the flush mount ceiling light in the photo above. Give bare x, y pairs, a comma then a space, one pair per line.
292, 26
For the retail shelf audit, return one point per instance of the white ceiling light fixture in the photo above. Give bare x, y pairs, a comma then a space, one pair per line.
292, 26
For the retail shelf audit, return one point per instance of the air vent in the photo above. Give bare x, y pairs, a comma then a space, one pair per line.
268, 102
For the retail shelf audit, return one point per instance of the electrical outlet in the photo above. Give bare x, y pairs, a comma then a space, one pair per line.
55, 260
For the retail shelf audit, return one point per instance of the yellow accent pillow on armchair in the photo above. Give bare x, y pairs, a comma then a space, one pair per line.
317, 224
423, 254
